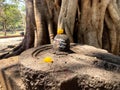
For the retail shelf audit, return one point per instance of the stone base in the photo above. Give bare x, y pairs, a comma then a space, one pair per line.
85, 68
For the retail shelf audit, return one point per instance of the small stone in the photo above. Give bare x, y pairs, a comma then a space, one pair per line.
61, 43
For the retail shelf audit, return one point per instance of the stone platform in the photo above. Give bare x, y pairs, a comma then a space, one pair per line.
9, 75
82, 68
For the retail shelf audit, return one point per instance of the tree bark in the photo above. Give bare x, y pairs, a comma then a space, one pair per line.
112, 33
44, 17
92, 21
112, 19
40, 31
67, 17
118, 2
30, 24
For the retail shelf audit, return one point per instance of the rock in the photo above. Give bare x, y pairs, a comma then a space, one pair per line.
85, 68
9, 75
61, 43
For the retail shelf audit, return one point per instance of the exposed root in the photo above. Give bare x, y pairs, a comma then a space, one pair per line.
16, 51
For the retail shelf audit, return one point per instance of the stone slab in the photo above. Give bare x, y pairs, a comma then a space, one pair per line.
83, 68
9, 74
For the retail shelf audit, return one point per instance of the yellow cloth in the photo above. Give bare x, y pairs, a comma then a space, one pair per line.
48, 60
60, 31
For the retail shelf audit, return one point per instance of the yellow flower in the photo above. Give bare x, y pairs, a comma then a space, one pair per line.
48, 60
60, 31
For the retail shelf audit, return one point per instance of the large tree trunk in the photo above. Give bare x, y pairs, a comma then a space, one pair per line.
41, 24
92, 22
45, 14
30, 24
41, 30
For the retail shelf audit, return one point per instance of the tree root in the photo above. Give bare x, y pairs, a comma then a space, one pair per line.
16, 51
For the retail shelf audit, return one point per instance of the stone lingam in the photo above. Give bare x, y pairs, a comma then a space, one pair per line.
65, 66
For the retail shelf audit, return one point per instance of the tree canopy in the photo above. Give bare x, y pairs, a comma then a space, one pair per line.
10, 15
